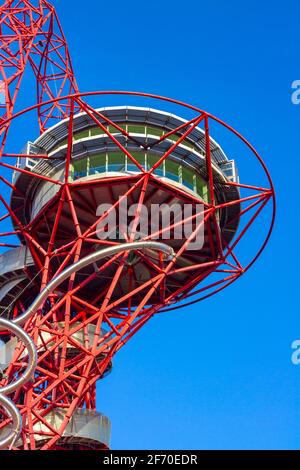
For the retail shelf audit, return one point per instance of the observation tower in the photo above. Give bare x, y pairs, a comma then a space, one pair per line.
77, 278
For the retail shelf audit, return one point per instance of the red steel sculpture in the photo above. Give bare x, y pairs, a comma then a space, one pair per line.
84, 156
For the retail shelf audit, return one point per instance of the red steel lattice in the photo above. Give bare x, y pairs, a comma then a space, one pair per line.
31, 34
68, 383
59, 235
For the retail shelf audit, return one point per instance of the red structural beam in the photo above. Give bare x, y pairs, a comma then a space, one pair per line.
116, 313
31, 35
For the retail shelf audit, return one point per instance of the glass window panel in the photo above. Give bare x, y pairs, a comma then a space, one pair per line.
151, 161
97, 131
154, 131
188, 144
116, 161
173, 137
187, 178
140, 157
81, 135
172, 170
97, 164
79, 168
115, 130
202, 189
135, 129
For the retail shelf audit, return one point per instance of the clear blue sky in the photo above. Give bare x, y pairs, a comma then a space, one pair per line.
217, 375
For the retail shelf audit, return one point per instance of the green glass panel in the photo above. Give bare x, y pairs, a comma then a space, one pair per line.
81, 135
115, 130
97, 131
173, 137
151, 161
97, 164
135, 129
116, 161
187, 178
79, 168
172, 170
202, 189
140, 157
154, 131
176, 137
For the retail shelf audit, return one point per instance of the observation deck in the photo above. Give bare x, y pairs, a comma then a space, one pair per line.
101, 173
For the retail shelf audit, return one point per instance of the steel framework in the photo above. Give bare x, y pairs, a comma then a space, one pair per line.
30, 33
96, 325
15, 328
